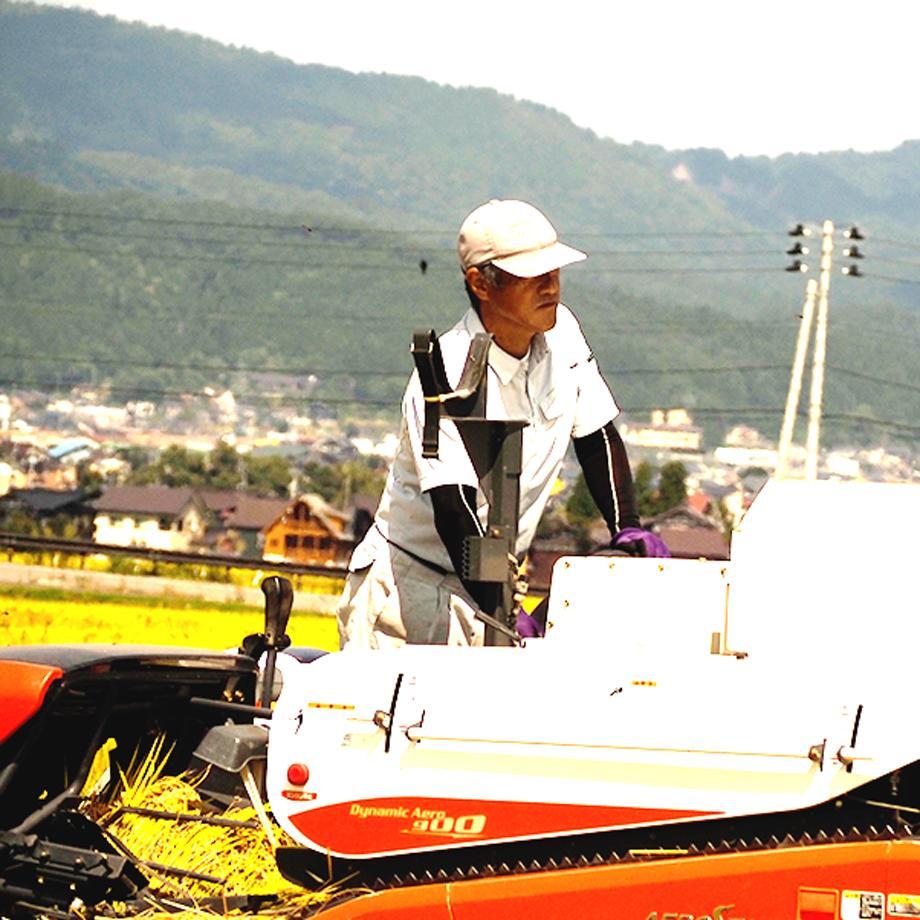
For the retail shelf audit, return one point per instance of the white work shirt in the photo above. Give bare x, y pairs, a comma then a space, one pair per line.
556, 388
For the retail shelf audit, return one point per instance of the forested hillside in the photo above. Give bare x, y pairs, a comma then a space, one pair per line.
176, 214
155, 297
93, 103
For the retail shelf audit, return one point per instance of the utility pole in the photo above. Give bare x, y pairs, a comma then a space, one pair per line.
795, 382
814, 290
817, 374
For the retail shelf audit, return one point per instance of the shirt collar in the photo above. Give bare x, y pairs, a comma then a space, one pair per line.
505, 365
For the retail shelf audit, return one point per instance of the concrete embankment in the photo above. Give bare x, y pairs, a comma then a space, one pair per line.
42, 576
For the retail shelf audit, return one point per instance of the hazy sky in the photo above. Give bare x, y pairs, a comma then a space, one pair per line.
748, 76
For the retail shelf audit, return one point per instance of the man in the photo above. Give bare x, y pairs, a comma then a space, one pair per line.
402, 584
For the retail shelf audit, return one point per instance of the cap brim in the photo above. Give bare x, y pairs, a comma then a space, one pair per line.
539, 261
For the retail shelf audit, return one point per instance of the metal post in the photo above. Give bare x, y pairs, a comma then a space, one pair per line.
817, 373
495, 450
502, 486
795, 380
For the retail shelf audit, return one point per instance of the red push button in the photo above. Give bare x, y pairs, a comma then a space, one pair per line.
298, 774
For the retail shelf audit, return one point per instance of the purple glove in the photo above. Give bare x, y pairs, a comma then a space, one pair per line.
527, 626
638, 542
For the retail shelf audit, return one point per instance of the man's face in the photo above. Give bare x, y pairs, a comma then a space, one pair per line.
516, 309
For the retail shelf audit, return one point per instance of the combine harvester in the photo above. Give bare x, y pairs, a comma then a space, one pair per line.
691, 739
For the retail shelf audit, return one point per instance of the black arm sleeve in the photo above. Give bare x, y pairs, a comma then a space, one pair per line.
455, 519
603, 460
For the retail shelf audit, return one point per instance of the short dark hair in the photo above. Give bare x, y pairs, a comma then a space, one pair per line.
494, 278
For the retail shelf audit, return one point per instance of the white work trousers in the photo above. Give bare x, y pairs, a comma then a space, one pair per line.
397, 600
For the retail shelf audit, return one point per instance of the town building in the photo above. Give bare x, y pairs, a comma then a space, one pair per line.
64, 512
11, 477
239, 520
668, 430
689, 532
309, 531
155, 517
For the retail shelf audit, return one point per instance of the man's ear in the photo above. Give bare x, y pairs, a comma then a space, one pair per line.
477, 282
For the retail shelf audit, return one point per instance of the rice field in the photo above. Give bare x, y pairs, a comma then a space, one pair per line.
234, 862
243, 859
193, 571
44, 615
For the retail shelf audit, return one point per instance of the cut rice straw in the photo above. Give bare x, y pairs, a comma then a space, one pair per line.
175, 854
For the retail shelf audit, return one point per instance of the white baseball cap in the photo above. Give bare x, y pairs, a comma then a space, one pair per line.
514, 236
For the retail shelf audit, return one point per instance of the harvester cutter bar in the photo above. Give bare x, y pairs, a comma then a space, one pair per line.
834, 822
38, 870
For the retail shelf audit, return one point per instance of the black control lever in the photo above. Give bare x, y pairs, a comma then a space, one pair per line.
279, 598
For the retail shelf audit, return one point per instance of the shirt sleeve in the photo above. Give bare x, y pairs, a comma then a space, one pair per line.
453, 465
605, 466
595, 404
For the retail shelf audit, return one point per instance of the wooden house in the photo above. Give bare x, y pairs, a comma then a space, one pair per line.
308, 531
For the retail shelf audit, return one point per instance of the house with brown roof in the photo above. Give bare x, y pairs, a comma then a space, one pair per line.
239, 519
49, 511
305, 529
544, 552
689, 533
157, 517
309, 531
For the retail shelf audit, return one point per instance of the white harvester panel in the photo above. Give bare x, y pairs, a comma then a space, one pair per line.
825, 576
665, 691
661, 607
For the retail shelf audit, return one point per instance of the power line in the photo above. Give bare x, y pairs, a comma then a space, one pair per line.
11, 211
403, 373
360, 233
871, 274
300, 399
234, 260
245, 398
357, 244
339, 372
124, 362
859, 329
677, 234
700, 370
303, 245
410, 266
684, 252
902, 427
285, 310
288, 313
900, 384
874, 258
747, 269
902, 243
303, 312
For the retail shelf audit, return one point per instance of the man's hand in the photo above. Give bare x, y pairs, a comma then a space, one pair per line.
528, 627
639, 542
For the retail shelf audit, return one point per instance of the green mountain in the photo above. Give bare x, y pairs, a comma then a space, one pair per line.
172, 208
880, 191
